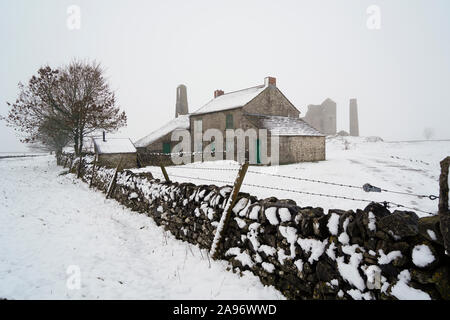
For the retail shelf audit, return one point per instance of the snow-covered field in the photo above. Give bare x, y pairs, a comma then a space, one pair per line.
411, 167
53, 226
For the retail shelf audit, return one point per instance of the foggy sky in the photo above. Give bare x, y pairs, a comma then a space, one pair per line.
400, 74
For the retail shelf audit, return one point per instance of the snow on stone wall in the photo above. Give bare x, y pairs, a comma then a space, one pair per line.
303, 252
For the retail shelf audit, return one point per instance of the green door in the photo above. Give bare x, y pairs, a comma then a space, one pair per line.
258, 155
166, 147
229, 122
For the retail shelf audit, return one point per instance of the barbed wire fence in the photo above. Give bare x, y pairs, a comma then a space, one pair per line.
366, 187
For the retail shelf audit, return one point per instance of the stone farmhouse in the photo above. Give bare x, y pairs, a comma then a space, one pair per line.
260, 107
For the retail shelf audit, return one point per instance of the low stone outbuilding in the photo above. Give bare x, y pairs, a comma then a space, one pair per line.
159, 141
155, 148
110, 151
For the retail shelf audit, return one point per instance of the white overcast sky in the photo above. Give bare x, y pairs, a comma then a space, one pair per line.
316, 49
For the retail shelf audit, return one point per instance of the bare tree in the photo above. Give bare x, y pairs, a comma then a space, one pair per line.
92, 103
51, 138
35, 105
73, 101
428, 133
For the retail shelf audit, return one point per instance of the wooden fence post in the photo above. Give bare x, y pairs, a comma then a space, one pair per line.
93, 171
112, 184
79, 166
71, 162
164, 172
221, 228
444, 213
141, 163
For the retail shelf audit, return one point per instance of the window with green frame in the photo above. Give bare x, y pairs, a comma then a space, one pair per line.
229, 122
166, 147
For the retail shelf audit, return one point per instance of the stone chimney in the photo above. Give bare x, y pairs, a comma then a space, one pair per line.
354, 125
181, 107
218, 93
270, 81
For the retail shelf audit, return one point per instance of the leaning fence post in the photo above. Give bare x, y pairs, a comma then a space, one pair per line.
221, 228
444, 213
93, 171
112, 184
164, 172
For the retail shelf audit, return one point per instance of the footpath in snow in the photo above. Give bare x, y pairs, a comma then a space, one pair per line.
51, 226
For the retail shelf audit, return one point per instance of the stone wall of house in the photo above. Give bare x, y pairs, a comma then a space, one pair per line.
215, 120
153, 158
272, 102
111, 160
302, 148
302, 251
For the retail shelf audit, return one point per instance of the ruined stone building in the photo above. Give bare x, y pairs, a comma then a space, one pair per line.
322, 117
260, 107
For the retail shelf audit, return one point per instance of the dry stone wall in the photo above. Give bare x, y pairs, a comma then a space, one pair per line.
302, 251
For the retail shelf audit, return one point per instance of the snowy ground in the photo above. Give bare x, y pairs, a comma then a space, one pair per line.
49, 223
411, 167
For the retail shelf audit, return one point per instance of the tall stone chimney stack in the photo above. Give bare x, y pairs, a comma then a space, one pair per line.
181, 107
354, 126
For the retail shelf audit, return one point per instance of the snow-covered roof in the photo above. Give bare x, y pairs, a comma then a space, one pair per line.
231, 100
182, 122
283, 126
114, 145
